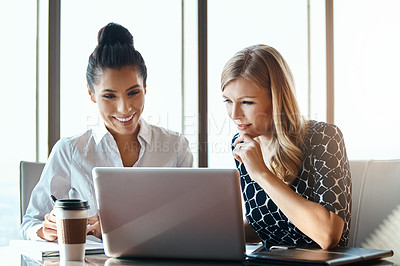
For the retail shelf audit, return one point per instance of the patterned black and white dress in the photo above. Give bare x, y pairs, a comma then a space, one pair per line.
324, 178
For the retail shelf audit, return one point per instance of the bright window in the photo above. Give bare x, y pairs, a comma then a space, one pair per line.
367, 89
18, 107
233, 26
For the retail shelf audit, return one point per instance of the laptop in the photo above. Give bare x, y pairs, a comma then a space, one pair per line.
185, 213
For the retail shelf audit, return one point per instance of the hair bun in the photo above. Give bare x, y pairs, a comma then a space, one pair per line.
114, 33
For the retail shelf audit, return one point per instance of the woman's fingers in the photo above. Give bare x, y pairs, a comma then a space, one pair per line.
49, 227
94, 229
241, 144
49, 234
237, 156
93, 219
238, 140
248, 151
94, 226
243, 139
50, 221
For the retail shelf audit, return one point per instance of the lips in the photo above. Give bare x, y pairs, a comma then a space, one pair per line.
243, 127
125, 120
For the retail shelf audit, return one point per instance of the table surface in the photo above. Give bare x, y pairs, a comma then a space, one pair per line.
12, 256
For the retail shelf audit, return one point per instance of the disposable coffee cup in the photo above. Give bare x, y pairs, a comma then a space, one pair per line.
71, 215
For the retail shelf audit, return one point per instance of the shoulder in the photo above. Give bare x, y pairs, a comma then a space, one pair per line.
322, 132
67, 145
323, 127
65, 151
169, 144
323, 140
160, 133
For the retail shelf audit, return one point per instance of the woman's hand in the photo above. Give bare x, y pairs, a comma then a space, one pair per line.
48, 231
94, 226
248, 152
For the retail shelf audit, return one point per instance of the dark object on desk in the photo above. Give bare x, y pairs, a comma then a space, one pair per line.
336, 256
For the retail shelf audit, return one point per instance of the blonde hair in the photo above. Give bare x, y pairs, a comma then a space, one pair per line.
265, 67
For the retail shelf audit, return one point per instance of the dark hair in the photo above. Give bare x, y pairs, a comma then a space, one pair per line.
114, 50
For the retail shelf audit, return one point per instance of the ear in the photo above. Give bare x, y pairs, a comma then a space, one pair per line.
144, 86
91, 94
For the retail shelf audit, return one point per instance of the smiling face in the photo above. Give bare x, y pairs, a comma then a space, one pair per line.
249, 107
120, 96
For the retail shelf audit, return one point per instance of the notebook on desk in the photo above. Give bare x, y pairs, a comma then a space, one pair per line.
37, 249
187, 213
336, 256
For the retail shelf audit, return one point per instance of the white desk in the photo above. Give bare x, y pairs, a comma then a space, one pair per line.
11, 256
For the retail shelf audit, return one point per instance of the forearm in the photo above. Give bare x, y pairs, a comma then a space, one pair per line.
28, 229
251, 235
321, 225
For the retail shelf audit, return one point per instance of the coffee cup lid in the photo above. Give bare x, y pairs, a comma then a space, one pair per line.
72, 204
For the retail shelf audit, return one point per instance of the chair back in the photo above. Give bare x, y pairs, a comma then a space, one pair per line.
375, 212
358, 169
29, 175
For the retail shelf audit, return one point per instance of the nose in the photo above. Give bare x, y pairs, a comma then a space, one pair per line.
124, 106
236, 112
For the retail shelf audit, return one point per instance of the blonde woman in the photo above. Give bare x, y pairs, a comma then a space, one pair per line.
294, 172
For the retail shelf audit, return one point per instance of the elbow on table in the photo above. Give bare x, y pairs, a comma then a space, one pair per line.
331, 234
330, 239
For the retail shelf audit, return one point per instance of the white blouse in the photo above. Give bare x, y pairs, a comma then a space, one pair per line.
68, 171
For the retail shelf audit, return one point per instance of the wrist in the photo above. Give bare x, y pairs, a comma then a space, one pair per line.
262, 175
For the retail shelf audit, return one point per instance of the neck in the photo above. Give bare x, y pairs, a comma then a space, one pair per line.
128, 146
264, 140
126, 139
266, 149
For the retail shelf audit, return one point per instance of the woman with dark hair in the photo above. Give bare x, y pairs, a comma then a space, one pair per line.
116, 80
294, 172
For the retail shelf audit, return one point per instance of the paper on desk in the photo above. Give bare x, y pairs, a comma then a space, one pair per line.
39, 249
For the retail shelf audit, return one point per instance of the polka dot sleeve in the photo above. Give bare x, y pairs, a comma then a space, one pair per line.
332, 181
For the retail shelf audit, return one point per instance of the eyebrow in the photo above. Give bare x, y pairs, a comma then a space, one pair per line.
243, 97
128, 89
